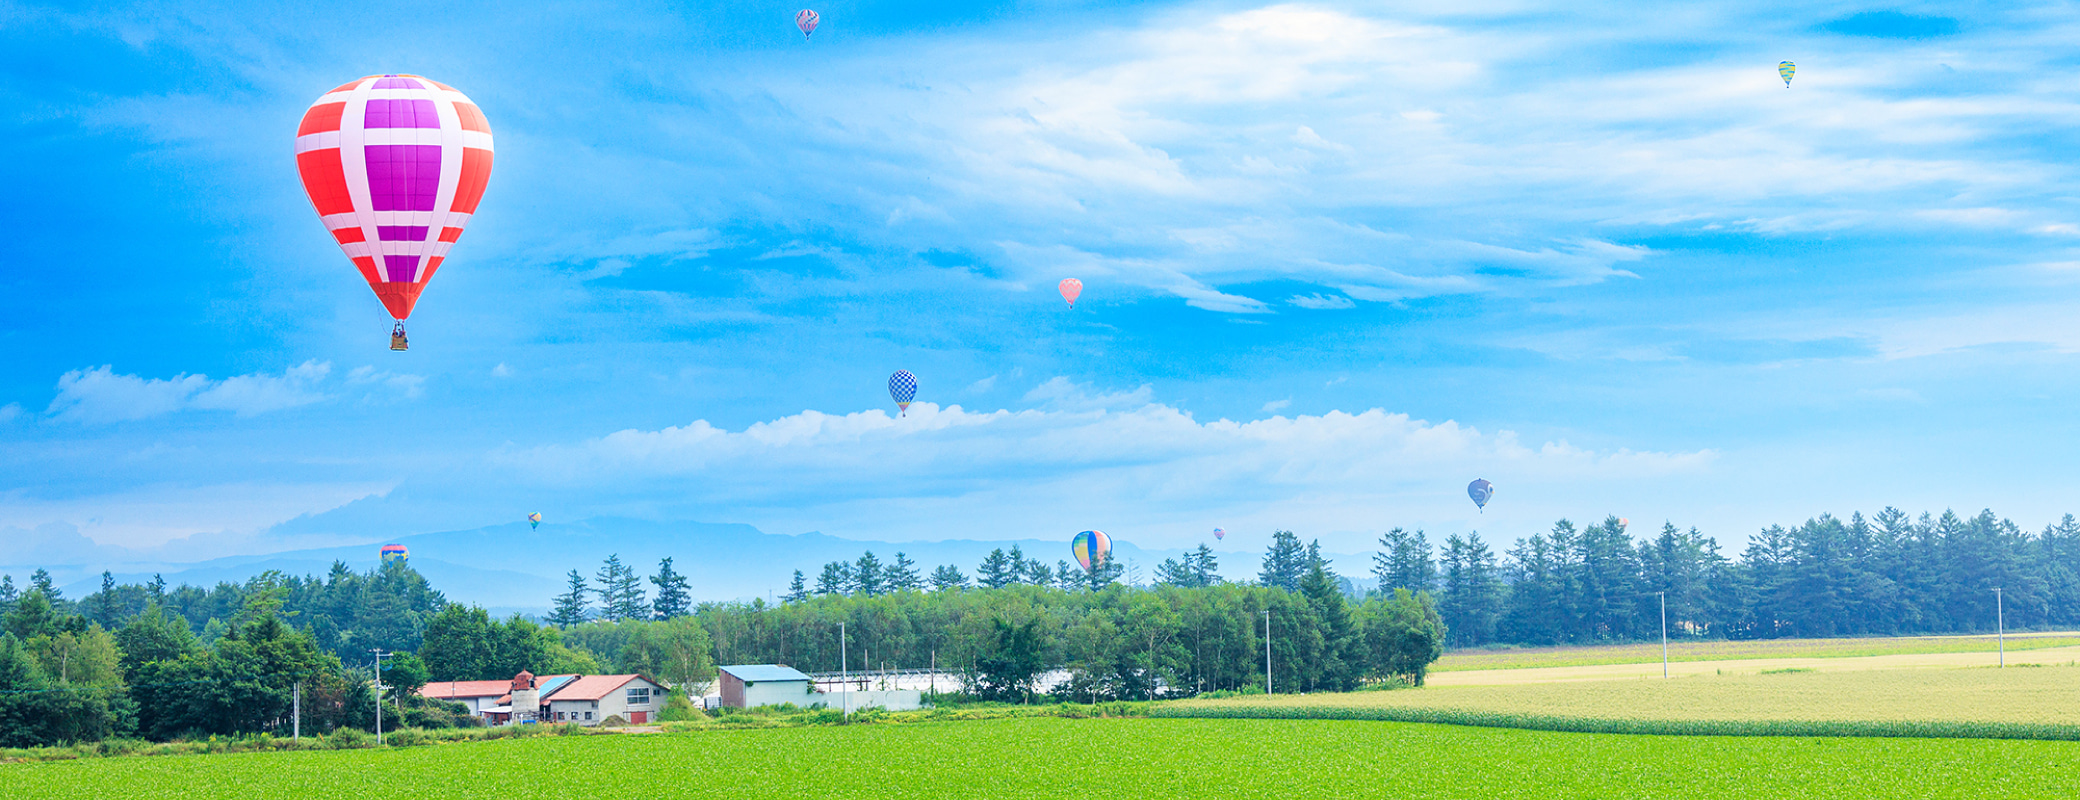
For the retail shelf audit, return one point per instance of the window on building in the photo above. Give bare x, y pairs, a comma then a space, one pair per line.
639, 696
588, 715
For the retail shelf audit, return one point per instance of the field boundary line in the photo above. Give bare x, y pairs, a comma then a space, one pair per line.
1490, 719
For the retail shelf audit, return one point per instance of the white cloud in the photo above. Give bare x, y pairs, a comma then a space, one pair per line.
403, 385
99, 395
1276, 406
501, 371
983, 385
10, 411
1321, 301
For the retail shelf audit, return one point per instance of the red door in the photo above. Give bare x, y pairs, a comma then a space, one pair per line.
638, 717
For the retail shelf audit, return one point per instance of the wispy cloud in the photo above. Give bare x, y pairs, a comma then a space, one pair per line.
100, 395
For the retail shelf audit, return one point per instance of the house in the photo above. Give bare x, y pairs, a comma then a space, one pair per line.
748, 685
593, 699
584, 699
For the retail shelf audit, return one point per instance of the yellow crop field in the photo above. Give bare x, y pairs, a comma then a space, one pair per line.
1520, 658
2032, 702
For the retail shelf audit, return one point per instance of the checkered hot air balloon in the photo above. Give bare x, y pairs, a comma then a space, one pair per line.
1091, 548
902, 386
1785, 70
806, 20
394, 552
395, 166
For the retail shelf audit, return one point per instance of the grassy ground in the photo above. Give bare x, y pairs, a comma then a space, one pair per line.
1519, 658
1096, 758
1653, 669
2039, 702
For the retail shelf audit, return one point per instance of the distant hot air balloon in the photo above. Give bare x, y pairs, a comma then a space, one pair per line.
534, 520
903, 387
1785, 70
395, 166
1091, 549
1219, 534
1071, 289
806, 20
1624, 523
395, 552
1480, 490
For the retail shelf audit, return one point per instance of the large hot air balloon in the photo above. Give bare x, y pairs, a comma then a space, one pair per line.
806, 20
1071, 289
1091, 549
903, 387
395, 166
534, 520
1219, 534
1785, 70
1480, 490
394, 552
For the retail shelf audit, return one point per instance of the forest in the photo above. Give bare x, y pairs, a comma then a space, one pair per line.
146, 660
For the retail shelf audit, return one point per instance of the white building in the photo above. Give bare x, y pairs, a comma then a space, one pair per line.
597, 698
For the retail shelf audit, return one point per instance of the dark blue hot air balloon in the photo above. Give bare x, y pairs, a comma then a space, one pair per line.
902, 386
1480, 490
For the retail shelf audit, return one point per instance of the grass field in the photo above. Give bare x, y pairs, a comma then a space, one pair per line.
2037, 702
1520, 658
1096, 758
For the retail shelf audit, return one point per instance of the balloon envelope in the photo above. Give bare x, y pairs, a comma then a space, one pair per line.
1071, 289
395, 552
1480, 490
395, 166
1785, 70
902, 386
1091, 548
534, 520
806, 20
1219, 534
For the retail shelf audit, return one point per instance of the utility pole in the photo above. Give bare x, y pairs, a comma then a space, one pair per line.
296, 713
1267, 652
844, 672
935, 671
1664, 633
2000, 624
379, 695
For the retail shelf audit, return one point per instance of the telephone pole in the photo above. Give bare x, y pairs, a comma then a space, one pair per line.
1267, 652
2000, 624
379, 695
844, 672
1664, 633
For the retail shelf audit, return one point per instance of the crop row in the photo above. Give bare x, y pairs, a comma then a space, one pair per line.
1666, 727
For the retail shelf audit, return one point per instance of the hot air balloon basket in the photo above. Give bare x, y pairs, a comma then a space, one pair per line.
398, 342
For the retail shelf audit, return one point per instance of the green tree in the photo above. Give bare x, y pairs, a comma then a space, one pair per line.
836, 579
675, 651
1403, 562
154, 635
868, 576
570, 606
797, 589
902, 576
460, 646
1011, 661
1404, 635
1472, 597
998, 570
672, 597
1344, 647
1285, 562
621, 595
948, 577
405, 674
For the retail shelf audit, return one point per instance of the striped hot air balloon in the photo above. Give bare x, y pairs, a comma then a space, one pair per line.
1071, 289
1785, 70
394, 552
395, 166
1219, 534
534, 520
806, 20
1091, 548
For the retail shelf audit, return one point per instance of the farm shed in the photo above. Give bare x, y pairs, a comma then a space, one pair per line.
748, 685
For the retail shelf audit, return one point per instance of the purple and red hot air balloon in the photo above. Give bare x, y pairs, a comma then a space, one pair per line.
1219, 534
806, 20
395, 166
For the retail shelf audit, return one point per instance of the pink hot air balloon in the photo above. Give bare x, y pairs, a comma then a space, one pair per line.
395, 166
806, 20
1071, 289
1219, 534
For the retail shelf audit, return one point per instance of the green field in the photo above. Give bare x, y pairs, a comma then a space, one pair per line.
1521, 658
1095, 758
2036, 702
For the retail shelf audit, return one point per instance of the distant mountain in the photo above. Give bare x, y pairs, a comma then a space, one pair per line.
510, 567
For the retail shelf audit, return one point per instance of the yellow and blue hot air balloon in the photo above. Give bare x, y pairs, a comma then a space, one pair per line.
1091, 549
1786, 69
534, 520
395, 552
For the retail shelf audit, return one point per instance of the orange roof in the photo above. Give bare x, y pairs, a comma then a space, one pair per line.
453, 690
594, 687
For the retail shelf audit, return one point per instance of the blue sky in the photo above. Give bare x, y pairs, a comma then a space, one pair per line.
1339, 260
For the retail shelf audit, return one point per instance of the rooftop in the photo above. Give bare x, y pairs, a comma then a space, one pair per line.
456, 690
594, 687
759, 673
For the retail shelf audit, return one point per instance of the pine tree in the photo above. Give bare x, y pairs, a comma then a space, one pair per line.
1038, 574
40, 581
8, 594
1343, 650
868, 576
1285, 562
948, 577
836, 579
621, 595
157, 588
1404, 562
1472, 599
997, 570
570, 606
902, 575
1206, 565
673, 600
797, 589
1067, 578
1102, 573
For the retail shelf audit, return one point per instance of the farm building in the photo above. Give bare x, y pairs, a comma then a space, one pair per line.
748, 685
583, 699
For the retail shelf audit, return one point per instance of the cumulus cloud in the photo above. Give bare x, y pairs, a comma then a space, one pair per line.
100, 395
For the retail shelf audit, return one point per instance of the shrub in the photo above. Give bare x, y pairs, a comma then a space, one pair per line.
349, 738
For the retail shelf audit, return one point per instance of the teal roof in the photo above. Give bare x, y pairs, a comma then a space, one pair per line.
760, 673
